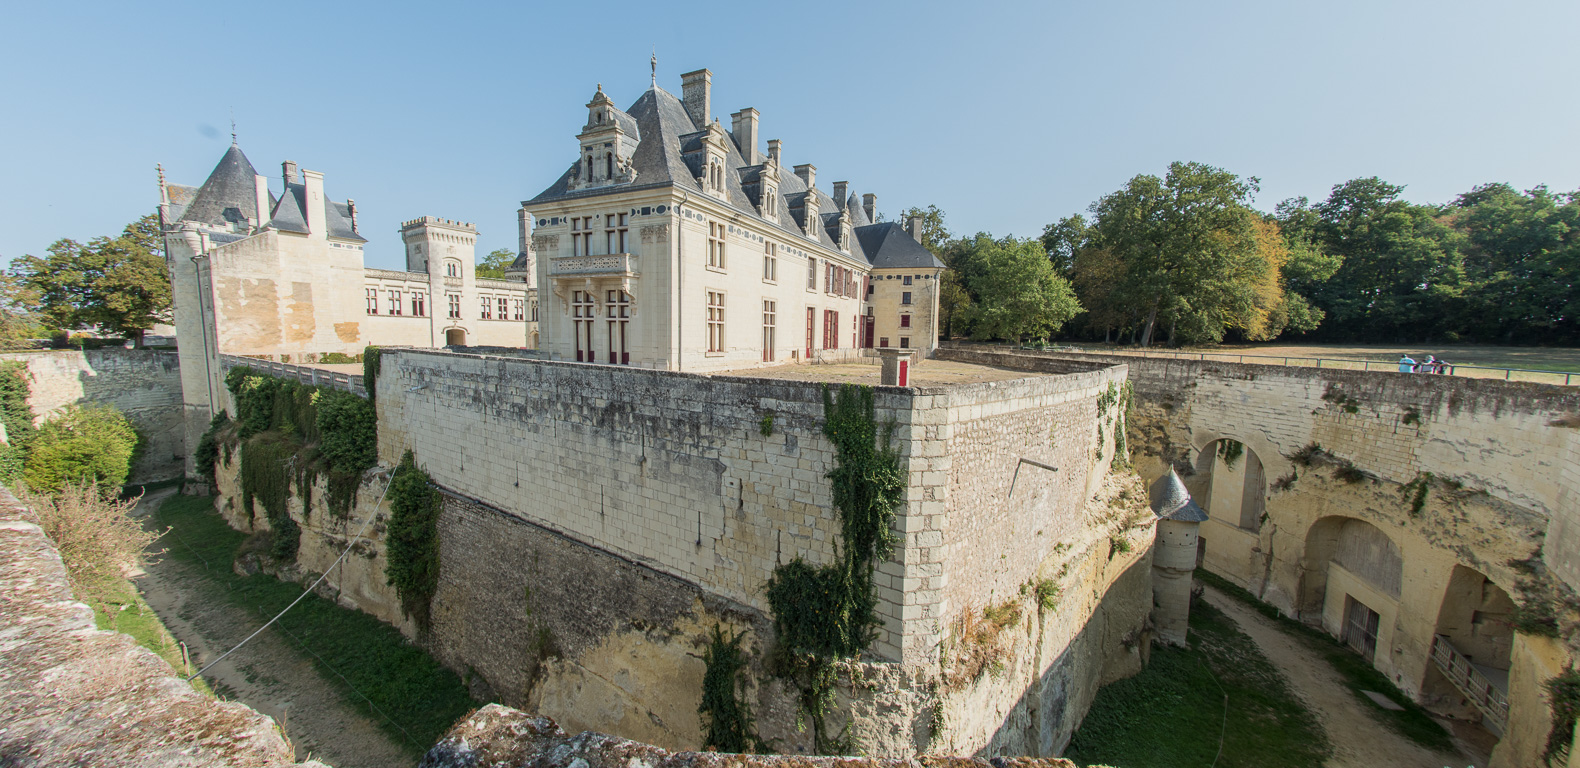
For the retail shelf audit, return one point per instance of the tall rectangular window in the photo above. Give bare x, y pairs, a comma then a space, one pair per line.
516, 309
905, 297
487, 312
715, 321
811, 325
770, 321
715, 245
830, 329
373, 301
770, 262
617, 309
811, 277
504, 313
905, 321
455, 304
395, 302
419, 307
615, 232
582, 310
907, 279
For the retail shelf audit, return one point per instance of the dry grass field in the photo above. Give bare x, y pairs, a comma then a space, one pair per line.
1546, 365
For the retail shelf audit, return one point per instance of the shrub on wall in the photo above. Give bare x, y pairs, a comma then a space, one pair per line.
16, 417
208, 448
349, 443
85, 444
370, 372
266, 474
725, 715
413, 538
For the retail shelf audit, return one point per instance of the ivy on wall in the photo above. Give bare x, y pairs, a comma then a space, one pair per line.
413, 539
17, 418
1563, 692
826, 613
370, 373
725, 715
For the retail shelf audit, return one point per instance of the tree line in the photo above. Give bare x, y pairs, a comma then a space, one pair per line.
1184, 258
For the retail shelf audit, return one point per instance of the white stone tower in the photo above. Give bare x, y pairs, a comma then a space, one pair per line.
1174, 556
446, 250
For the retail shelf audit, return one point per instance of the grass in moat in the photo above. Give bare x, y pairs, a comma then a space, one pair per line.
1221, 694
395, 683
118, 607
1412, 722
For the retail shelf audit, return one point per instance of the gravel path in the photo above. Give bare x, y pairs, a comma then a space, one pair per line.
1359, 740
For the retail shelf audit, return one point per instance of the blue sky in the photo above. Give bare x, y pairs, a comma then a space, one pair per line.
1008, 116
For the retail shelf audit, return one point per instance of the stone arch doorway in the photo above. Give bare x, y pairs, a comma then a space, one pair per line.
1351, 578
532, 340
1472, 642
455, 337
1235, 489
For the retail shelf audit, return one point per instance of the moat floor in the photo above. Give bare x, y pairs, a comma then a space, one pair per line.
1358, 739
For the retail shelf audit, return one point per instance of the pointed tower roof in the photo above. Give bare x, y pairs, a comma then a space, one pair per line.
1170, 500
230, 194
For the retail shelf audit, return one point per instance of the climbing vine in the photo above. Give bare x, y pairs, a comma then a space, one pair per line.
266, 472
209, 446
725, 715
370, 373
413, 539
1230, 451
1563, 692
826, 613
1415, 492
335, 433
16, 417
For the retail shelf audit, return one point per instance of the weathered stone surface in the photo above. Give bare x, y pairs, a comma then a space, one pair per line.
73, 695
500, 737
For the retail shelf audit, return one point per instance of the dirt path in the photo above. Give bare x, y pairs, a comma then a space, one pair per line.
272, 674
1359, 740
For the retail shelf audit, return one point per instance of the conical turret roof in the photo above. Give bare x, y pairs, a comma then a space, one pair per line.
1170, 500
230, 194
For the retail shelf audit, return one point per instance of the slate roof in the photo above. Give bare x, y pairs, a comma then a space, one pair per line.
289, 215
180, 197
889, 246
1170, 500
665, 129
229, 194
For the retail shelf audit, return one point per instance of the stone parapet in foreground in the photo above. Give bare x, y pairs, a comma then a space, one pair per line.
73, 695
497, 736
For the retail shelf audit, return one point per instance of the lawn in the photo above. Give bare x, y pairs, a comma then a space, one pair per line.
1219, 702
119, 608
1464, 356
394, 682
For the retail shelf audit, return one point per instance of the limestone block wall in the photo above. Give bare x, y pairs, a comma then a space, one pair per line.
144, 384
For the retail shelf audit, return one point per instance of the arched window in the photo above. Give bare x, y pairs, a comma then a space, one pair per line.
608, 165
452, 269
589, 167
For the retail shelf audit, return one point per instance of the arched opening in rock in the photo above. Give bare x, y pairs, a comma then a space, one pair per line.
1352, 573
1468, 678
1235, 488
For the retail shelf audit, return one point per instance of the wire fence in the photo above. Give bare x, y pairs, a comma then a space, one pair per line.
1564, 378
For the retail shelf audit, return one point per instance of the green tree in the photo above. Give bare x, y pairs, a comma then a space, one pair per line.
934, 233
1522, 252
1019, 293
84, 444
495, 263
1188, 246
119, 284
1402, 273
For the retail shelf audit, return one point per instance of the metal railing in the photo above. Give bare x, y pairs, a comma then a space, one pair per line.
306, 374
1477, 688
1534, 375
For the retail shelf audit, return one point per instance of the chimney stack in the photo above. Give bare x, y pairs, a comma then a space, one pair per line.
260, 190
696, 91
745, 132
315, 204
916, 228
808, 174
773, 150
840, 188
869, 203
351, 205
288, 170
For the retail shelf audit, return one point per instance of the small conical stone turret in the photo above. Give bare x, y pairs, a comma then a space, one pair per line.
1174, 556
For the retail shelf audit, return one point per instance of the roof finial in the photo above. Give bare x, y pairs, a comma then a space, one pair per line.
654, 63
233, 126
164, 191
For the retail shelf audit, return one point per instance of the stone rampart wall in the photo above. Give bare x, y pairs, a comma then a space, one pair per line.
144, 384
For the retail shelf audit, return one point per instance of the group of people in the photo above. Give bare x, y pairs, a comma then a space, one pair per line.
1431, 365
